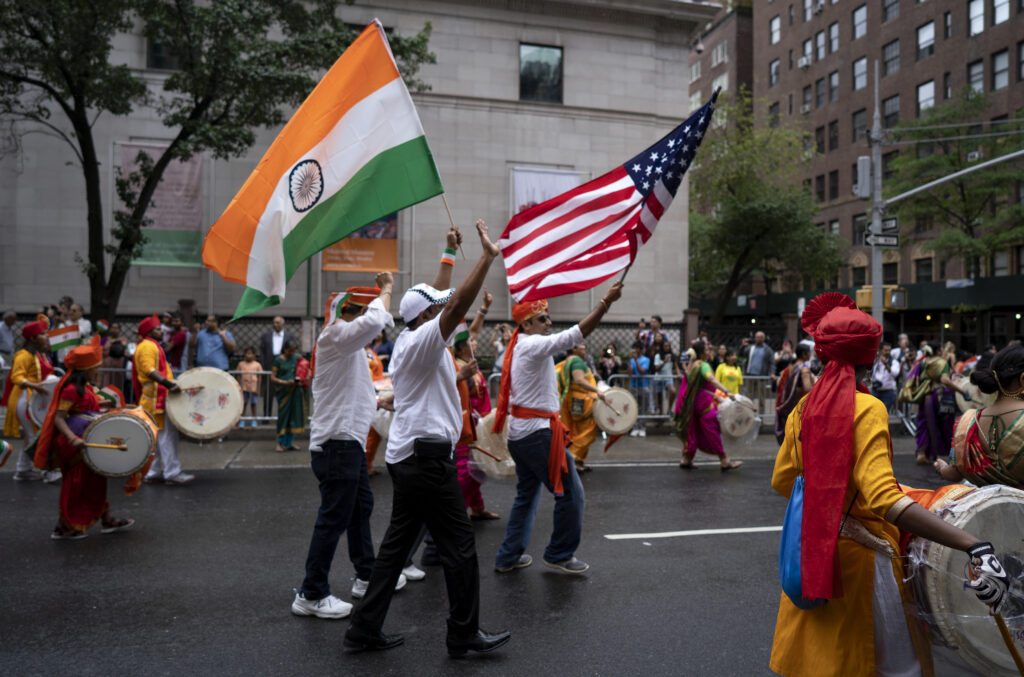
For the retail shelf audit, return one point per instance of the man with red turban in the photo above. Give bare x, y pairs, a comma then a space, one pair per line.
838, 438
151, 379
30, 367
83, 494
537, 439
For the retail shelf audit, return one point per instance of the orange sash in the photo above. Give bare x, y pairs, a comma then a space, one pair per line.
557, 465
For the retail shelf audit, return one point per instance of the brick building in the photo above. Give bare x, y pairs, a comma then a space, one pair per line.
723, 54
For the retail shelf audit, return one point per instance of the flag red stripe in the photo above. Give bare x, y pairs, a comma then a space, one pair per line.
537, 211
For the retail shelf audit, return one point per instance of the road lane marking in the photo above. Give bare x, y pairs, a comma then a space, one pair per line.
694, 532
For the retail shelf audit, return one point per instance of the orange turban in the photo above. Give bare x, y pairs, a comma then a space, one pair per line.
521, 312
34, 329
85, 357
360, 296
147, 325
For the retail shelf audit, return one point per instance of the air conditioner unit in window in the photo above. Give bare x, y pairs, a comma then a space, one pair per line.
974, 156
804, 62
805, 109
819, 8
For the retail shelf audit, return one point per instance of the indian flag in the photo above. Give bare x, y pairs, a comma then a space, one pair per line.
64, 337
332, 308
353, 152
462, 332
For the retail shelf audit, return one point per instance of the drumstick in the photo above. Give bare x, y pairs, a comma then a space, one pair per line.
609, 405
119, 447
482, 450
1008, 640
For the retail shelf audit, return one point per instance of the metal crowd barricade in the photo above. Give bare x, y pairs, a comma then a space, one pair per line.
645, 391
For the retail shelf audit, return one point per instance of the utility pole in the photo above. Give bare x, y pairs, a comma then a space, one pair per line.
877, 205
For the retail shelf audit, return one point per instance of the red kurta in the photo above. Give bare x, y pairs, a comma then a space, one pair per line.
83, 493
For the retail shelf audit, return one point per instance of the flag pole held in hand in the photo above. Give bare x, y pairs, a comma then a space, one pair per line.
452, 221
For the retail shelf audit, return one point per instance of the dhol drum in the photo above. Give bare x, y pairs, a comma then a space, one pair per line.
382, 417
737, 417
978, 399
496, 444
209, 404
955, 616
620, 414
38, 404
119, 442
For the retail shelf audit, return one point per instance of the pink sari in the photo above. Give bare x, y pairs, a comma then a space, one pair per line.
696, 413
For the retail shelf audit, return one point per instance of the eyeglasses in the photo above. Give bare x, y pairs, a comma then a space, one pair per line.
542, 319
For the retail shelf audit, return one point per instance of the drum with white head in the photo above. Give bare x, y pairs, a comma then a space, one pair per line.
38, 403
978, 399
120, 442
502, 467
619, 414
737, 417
209, 404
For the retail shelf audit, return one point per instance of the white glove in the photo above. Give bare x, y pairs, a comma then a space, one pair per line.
988, 577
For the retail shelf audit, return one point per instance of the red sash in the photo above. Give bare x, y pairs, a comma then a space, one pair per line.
560, 438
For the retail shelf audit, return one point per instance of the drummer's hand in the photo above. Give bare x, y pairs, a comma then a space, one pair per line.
732, 396
78, 443
386, 402
173, 387
966, 395
38, 387
988, 577
601, 397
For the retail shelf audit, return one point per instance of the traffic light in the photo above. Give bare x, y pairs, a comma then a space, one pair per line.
893, 297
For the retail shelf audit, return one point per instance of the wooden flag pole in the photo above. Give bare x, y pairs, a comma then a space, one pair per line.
452, 220
623, 278
1008, 640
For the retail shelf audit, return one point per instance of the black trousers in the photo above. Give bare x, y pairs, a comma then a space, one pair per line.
426, 492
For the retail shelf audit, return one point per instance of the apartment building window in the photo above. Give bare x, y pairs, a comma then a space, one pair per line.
891, 57
720, 54
722, 81
947, 25
833, 135
891, 273
833, 85
1001, 69
1000, 263
790, 97
925, 96
923, 270
695, 71
860, 22
819, 139
819, 45
947, 86
540, 73
833, 185
790, 59
853, 178
976, 75
1000, 11
890, 9
773, 115
775, 30
975, 17
887, 160
696, 100
926, 40
819, 93
923, 224
860, 125
833, 37
860, 73
808, 49
860, 228
1020, 60
891, 111
791, 15
773, 73
819, 187
858, 276
833, 227
159, 58
808, 97
808, 9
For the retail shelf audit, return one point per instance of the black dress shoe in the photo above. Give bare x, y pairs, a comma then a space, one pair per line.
481, 642
356, 641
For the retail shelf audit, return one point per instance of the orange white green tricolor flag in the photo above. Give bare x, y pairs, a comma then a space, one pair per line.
353, 152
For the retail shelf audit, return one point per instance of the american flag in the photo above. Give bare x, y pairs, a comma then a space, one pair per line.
582, 237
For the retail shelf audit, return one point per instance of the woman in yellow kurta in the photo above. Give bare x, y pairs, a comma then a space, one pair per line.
577, 389
838, 439
729, 374
29, 368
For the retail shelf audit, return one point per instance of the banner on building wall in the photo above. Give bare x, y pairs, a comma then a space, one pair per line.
531, 186
175, 236
372, 248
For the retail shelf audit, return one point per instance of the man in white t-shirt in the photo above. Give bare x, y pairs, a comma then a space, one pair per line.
537, 439
344, 402
420, 460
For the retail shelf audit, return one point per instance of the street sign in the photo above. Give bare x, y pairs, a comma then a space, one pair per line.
889, 224
873, 240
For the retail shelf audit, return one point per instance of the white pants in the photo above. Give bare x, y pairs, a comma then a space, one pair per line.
165, 463
28, 434
894, 651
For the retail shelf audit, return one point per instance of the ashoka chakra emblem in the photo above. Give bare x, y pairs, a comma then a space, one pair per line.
305, 185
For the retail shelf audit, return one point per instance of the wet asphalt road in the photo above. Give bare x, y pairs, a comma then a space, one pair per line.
202, 583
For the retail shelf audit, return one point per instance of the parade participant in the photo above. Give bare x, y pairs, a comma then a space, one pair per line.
696, 414
83, 493
151, 379
932, 386
343, 404
838, 438
988, 442
31, 365
729, 374
291, 415
537, 438
373, 438
427, 423
469, 380
577, 390
795, 381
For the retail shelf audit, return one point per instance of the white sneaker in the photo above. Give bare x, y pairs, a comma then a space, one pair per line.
643, 432
179, 479
328, 607
52, 476
413, 573
360, 586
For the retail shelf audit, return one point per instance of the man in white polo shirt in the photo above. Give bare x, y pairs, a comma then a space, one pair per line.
420, 460
537, 439
343, 405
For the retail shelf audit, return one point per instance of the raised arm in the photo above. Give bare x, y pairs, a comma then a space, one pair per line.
453, 240
463, 297
478, 321
590, 322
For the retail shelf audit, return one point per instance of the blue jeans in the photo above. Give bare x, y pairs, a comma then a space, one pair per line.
345, 506
531, 457
888, 397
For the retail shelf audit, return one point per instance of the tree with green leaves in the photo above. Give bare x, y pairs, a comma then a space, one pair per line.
971, 217
750, 213
238, 65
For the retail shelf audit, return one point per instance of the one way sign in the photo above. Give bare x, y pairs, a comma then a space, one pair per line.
873, 240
